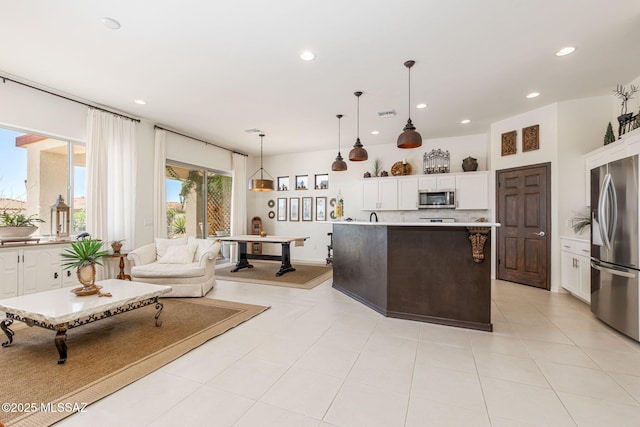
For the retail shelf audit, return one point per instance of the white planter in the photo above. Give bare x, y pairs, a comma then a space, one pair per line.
17, 231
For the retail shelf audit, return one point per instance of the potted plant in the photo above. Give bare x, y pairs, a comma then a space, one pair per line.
17, 224
116, 245
83, 255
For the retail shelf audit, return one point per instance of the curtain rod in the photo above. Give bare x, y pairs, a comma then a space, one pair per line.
200, 140
4, 80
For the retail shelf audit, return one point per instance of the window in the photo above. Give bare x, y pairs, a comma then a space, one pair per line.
193, 208
35, 169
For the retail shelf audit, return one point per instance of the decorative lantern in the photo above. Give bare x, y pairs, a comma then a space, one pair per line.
60, 218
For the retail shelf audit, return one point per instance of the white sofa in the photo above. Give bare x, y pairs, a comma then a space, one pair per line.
188, 265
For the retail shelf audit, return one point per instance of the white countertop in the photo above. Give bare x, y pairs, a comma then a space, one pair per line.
422, 224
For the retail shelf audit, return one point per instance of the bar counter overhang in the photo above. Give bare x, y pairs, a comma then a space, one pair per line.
431, 272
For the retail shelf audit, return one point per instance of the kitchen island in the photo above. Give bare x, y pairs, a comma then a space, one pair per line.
431, 272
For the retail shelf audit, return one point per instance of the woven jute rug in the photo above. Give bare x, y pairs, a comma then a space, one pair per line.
103, 356
306, 276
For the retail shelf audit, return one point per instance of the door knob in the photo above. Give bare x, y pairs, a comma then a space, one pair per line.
541, 234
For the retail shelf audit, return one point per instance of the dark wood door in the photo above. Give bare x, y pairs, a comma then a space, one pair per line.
523, 206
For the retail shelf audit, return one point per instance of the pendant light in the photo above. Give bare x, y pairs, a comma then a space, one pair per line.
339, 165
261, 184
409, 138
358, 153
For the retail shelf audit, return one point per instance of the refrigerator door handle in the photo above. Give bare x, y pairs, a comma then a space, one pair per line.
613, 220
615, 272
602, 218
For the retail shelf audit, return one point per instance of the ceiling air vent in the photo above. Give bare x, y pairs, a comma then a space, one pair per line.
388, 113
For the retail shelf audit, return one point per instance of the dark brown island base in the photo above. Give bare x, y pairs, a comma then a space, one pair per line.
427, 272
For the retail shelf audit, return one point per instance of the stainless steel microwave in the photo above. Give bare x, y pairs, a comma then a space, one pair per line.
445, 199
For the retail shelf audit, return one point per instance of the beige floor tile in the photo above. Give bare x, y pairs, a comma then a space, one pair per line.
303, 392
382, 372
203, 365
401, 328
585, 382
446, 335
524, 403
360, 405
511, 368
616, 361
399, 348
547, 333
264, 415
457, 388
559, 353
280, 351
490, 343
205, 406
589, 412
343, 339
327, 361
427, 413
630, 383
503, 422
605, 340
445, 356
249, 377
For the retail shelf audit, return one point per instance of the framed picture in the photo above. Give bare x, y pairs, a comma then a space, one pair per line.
322, 181
283, 183
294, 209
509, 143
307, 215
321, 208
302, 182
282, 209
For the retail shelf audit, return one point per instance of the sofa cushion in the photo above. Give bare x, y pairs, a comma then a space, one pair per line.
163, 244
179, 254
202, 246
168, 270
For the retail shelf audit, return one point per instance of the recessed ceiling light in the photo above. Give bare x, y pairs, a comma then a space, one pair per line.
533, 95
565, 51
421, 106
374, 132
140, 101
465, 121
307, 55
111, 23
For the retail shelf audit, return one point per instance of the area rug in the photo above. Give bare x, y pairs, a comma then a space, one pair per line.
104, 356
306, 276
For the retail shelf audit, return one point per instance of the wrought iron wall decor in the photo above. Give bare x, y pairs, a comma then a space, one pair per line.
531, 138
436, 161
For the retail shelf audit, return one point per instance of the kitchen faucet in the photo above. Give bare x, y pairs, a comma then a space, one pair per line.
371, 215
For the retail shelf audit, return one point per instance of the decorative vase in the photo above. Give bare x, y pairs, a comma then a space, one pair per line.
469, 164
17, 232
116, 246
87, 277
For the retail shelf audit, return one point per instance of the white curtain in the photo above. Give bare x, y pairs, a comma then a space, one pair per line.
111, 177
239, 195
159, 191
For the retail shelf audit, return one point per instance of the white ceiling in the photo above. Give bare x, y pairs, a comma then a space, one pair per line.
212, 69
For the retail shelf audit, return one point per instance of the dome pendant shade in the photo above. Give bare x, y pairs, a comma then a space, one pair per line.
358, 153
339, 165
260, 184
409, 138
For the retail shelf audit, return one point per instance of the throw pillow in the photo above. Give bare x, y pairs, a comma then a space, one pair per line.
202, 246
163, 244
182, 254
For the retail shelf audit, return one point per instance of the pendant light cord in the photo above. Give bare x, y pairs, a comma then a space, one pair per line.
261, 168
339, 117
358, 137
409, 97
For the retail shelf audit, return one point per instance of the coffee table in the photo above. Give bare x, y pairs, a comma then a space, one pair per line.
60, 310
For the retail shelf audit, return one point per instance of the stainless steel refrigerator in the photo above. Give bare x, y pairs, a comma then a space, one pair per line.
615, 264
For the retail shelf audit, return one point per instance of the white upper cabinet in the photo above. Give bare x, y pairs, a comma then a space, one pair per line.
472, 190
380, 194
408, 194
437, 182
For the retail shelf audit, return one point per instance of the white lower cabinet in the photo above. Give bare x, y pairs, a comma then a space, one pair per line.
575, 267
29, 270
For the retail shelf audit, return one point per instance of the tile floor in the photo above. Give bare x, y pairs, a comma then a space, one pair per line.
319, 359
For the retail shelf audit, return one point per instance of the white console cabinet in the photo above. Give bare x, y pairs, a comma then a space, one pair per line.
575, 267
33, 268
